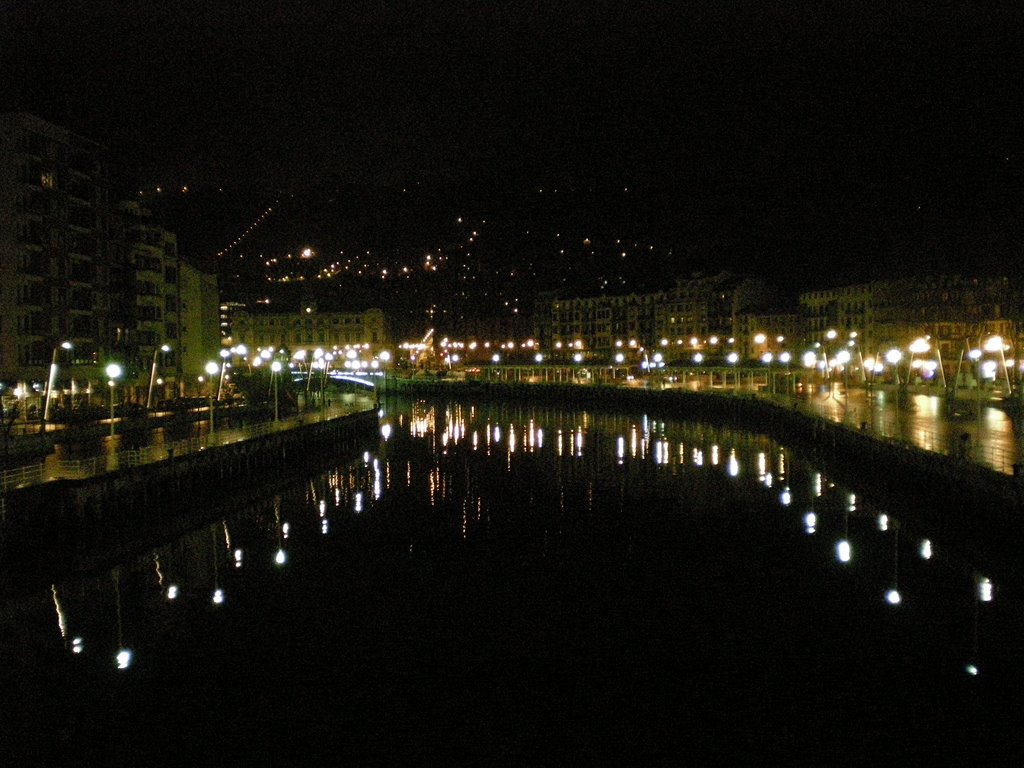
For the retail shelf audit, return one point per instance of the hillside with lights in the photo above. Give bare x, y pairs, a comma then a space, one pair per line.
464, 261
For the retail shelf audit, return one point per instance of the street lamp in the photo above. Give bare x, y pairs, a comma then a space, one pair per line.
767, 358
51, 381
918, 347
893, 357
113, 373
732, 358
995, 344
275, 369
152, 374
211, 370
224, 365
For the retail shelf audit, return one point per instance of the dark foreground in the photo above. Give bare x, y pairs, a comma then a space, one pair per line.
601, 644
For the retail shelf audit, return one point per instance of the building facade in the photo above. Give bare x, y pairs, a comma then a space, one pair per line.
309, 329
953, 313
56, 279
85, 281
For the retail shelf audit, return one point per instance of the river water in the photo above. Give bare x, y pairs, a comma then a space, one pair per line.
528, 586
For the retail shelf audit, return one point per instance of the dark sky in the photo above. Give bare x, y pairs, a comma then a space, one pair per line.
830, 127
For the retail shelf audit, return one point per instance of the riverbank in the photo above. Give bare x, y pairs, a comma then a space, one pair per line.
83, 523
975, 507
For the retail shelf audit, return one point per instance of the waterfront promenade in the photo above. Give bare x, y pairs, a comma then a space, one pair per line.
978, 430
105, 455
918, 416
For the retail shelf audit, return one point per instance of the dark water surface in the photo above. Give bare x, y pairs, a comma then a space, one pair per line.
527, 586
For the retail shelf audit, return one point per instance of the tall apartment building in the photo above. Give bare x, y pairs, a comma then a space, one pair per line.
199, 319
55, 275
84, 281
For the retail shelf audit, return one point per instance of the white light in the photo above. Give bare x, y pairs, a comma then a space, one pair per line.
280, 558
358, 502
810, 522
785, 497
883, 522
985, 590
124, 658
323, 526
926, 550
734, 466
172, 592
218, 596
971, 670
77, 645
843, 551
285, 529
238, 558
385, 431
892, 597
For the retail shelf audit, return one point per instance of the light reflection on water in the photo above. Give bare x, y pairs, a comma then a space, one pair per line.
447, 468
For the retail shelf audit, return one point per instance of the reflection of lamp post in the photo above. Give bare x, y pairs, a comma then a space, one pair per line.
275, 370
51, 381
152, 374
211, 371
113, 372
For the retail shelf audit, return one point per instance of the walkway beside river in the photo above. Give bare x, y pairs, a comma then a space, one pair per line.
54, 467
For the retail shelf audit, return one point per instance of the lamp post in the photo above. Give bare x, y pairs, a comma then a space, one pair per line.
275, 369
211, 371
975, 355
767, 358
52, 380
327, 358
113, 372
784, 358
224, 355
732, 358
995, 344
152, 374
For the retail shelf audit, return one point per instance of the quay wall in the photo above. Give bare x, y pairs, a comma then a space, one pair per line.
89, 521
978, 510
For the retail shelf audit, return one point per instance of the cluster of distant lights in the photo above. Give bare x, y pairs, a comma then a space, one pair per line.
248, 231
360, 266
819, 357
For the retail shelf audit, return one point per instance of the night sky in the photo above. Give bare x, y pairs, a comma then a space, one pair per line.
814, 141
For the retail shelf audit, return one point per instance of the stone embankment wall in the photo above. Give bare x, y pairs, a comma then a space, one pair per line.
976, 508
90, 521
